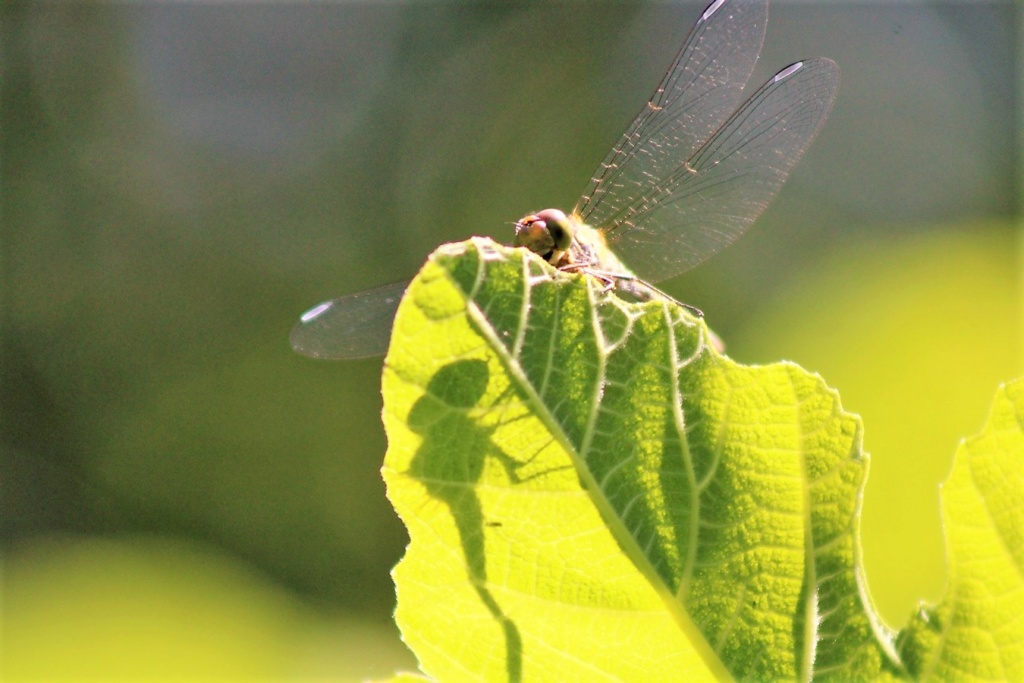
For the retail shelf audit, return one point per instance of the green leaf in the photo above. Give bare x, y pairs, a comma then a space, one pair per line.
593, 492
977, 631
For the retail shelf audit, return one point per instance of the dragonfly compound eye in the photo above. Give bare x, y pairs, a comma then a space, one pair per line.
559, 227
548, 234
532, 233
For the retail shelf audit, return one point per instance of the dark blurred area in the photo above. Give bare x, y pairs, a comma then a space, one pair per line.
180, 182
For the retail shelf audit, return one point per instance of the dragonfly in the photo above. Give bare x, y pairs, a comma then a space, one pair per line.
689, 175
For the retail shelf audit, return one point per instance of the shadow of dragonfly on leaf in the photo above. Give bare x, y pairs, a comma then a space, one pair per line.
450, 462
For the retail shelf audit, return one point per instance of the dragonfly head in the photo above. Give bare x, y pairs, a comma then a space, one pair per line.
548, 233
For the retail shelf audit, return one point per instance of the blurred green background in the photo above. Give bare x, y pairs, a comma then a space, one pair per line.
183, 497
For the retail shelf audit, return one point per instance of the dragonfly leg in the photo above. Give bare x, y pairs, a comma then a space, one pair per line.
639, 288
645, 290
608, 280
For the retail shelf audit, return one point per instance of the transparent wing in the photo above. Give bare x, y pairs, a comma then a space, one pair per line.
354, 326
701, 88
711, 198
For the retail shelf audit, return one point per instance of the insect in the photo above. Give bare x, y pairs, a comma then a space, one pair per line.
689, 175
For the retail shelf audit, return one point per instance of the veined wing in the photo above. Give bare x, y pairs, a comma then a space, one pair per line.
700, 90
711, 199
353, 326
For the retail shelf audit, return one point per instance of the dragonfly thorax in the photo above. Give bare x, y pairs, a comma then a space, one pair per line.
548, 233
